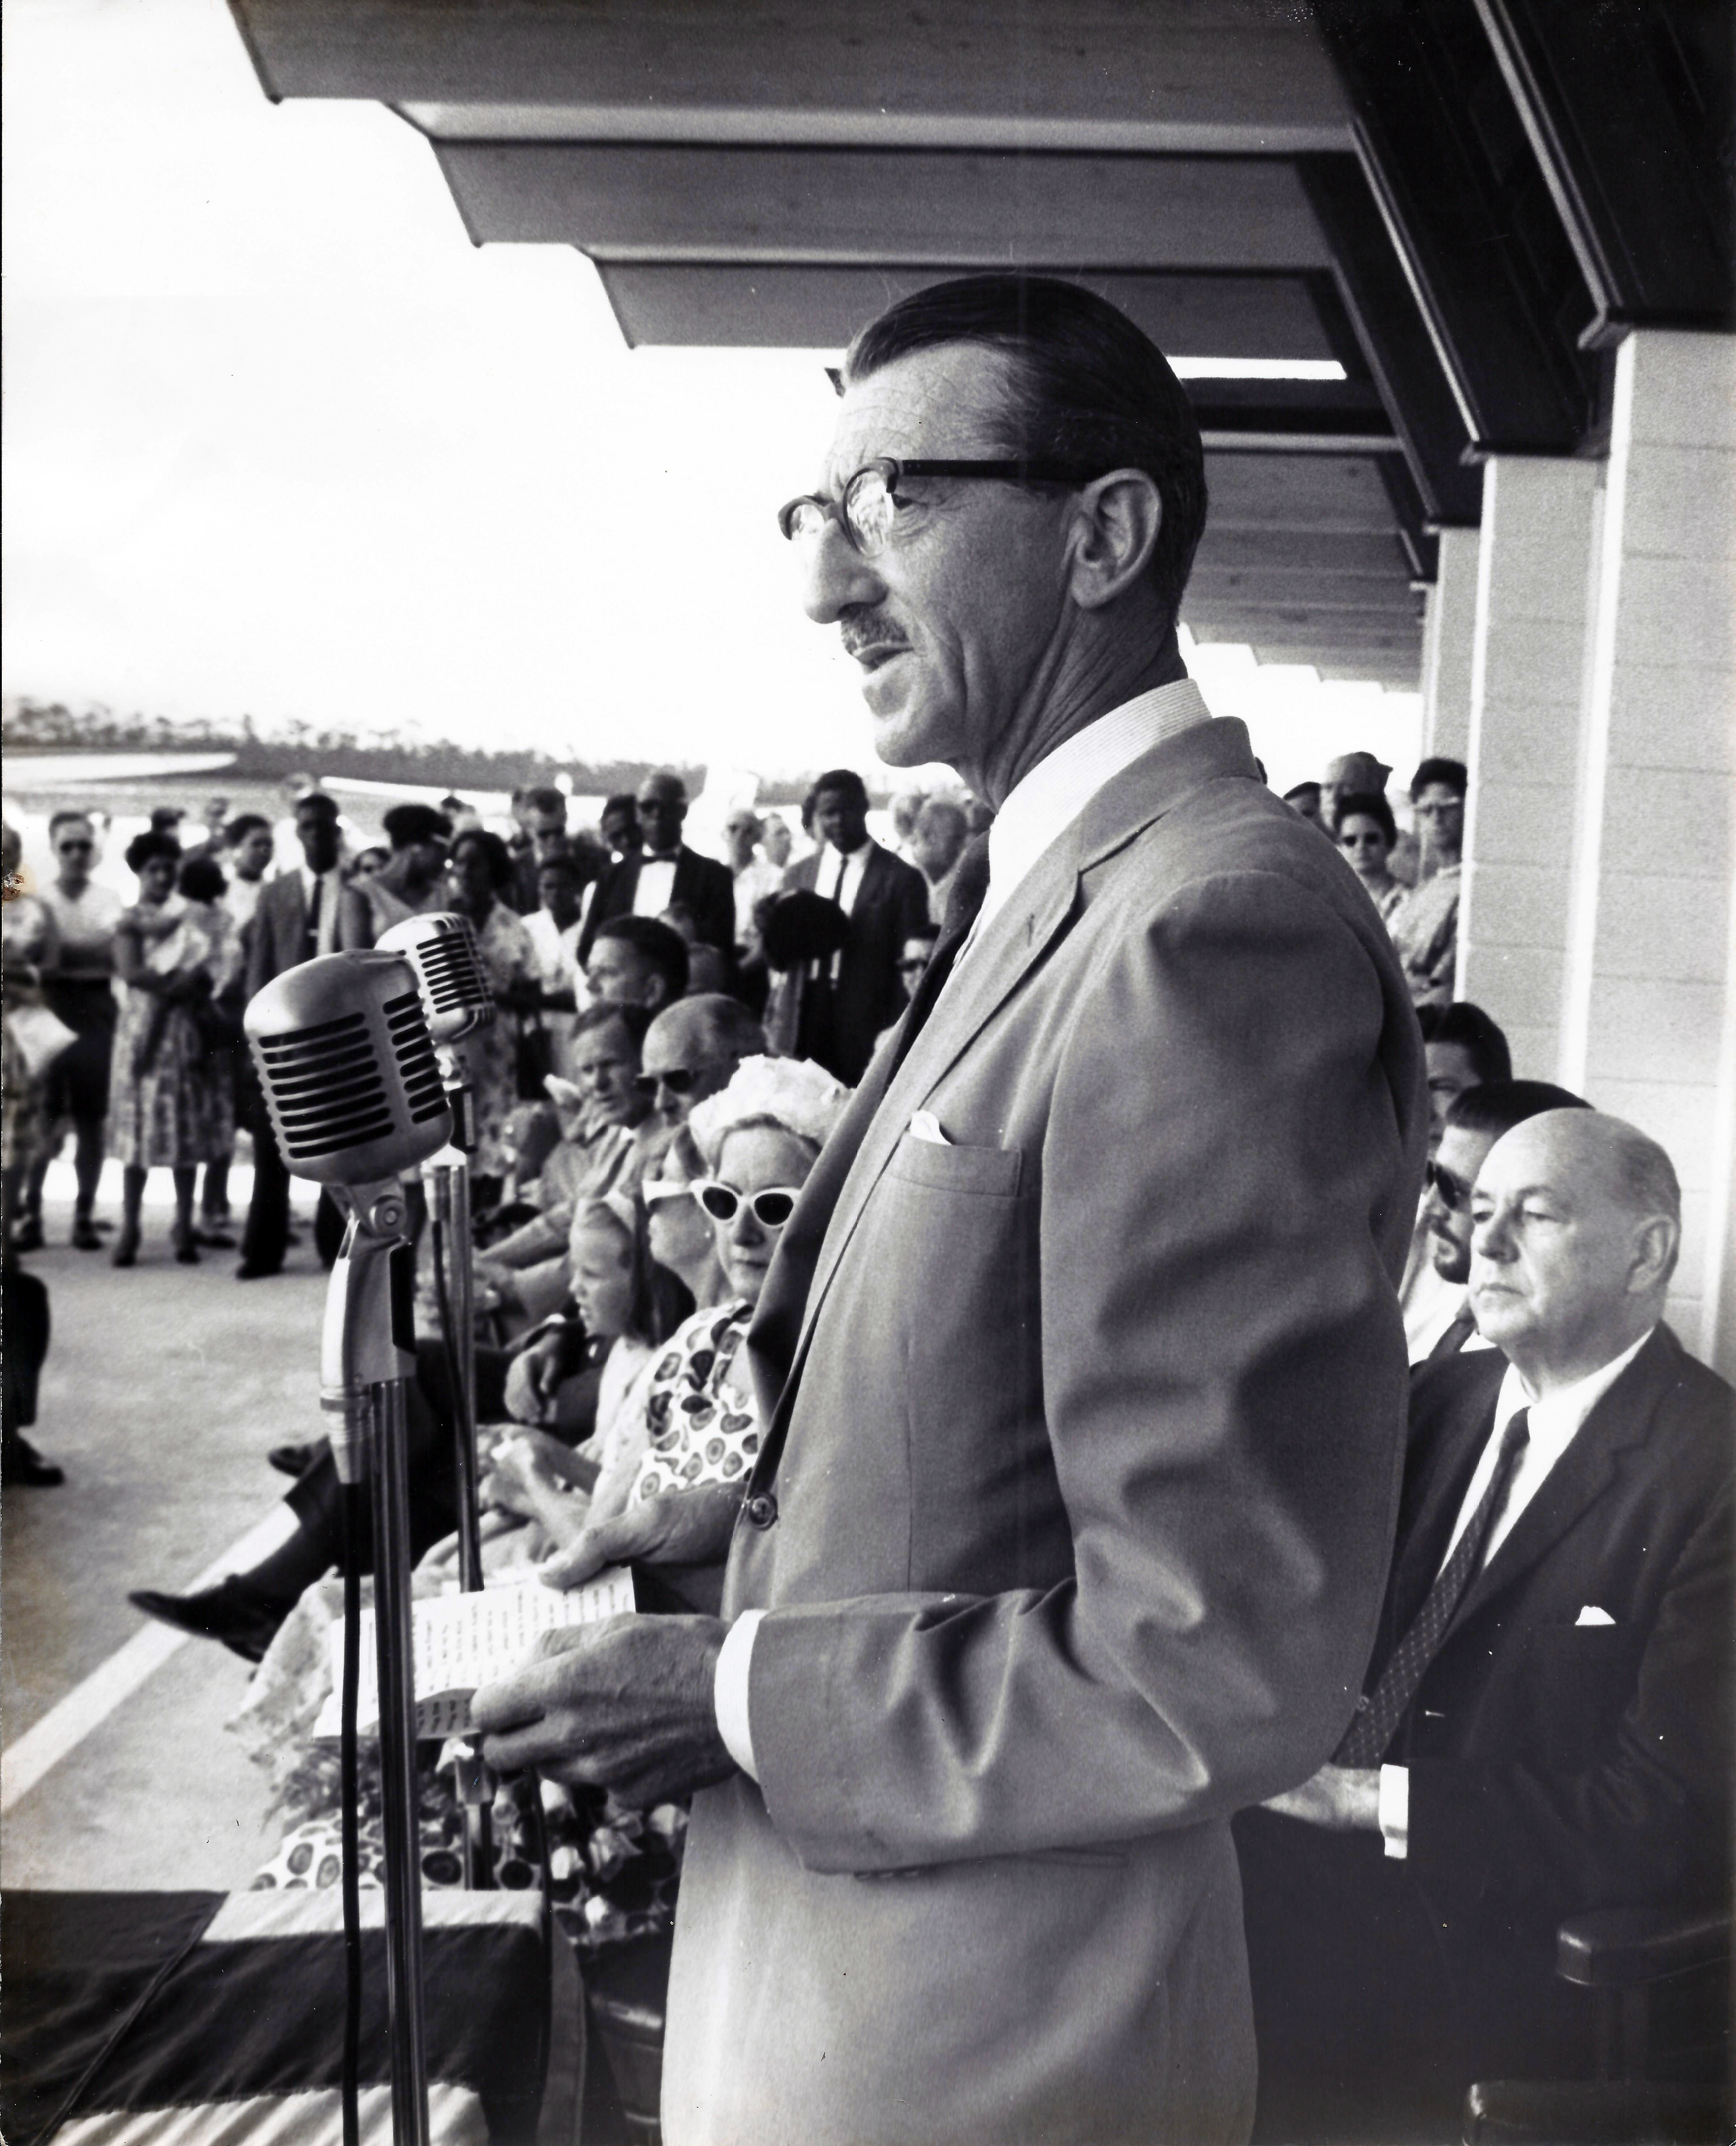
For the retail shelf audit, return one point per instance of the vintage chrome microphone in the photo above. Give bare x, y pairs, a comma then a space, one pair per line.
441, 948
355, 1098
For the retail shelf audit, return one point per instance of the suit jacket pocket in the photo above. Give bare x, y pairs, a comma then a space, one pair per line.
993, 1170
1580, 1680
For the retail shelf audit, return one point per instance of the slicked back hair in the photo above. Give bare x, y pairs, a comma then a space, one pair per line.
1092, 389
659, 946
1497, 1106
1474, 1032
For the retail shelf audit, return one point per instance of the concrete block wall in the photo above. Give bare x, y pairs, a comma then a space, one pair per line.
1649, 1015
1526, 688
1450, 631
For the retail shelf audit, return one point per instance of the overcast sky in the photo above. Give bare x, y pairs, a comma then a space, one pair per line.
282, 441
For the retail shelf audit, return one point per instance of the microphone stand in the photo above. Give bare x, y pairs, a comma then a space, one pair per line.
447, 1176
367, 1356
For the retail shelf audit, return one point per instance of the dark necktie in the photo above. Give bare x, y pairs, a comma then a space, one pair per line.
960, 915
1455, 1336
1380, 1711
313, 916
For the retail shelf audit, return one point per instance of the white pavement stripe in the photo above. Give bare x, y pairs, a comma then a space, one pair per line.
88, 1704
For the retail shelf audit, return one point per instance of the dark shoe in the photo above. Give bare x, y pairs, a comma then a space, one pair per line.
24, 1468
244, 1621
213, 1238
293, 1460
185, 1243
126, 1246
252, 1270
27, 1235
85, 1237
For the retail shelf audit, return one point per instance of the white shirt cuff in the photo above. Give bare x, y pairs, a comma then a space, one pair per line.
1395, 1807
729, 1690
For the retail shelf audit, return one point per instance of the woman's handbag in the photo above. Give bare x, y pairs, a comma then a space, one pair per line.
40, 1036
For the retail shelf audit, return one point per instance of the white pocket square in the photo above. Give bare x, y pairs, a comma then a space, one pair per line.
925, 1126
1591, 1614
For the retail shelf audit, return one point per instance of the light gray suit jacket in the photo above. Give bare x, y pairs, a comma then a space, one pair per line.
1084, 1437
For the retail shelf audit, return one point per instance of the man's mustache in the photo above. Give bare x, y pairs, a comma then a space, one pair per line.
868, 629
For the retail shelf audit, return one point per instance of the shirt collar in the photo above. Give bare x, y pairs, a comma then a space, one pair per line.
1050, 795
1557, 1416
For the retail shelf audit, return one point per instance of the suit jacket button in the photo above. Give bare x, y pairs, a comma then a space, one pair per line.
761, 1509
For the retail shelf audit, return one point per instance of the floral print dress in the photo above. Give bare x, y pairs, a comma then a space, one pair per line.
702, 1416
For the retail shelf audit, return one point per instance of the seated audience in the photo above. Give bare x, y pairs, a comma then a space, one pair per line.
599, 1110
1462, 1048
1545, 1727
678, 1243
691, 1051
1475, 1120
1425, 925
759, 1139
1366, 831
637, 960
918, 952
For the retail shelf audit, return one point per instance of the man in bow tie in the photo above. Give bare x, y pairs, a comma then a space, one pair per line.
664, 872
1545, 1720
1080, 1364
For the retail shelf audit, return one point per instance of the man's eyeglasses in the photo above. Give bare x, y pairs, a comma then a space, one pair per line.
1453, 1192
871, 500
915, 967
771, 1208
74, 848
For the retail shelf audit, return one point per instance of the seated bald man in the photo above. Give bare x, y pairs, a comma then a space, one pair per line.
1546, 1722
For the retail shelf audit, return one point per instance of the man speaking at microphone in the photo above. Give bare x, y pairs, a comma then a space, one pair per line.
1080, 1362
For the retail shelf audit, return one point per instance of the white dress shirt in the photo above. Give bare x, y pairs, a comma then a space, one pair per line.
1039, 808
240, 898
331, 886
656, 889
1555, 1421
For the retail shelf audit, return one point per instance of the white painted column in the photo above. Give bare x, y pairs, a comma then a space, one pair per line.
1449, 629
1526, 688
1649, 1010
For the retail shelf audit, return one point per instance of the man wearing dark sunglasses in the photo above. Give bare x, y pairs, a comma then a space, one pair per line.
692, 1050
1475, 1120
1081, 1362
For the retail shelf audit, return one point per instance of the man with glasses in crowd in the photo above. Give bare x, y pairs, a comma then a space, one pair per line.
1080, 1365
692, 1049
647, 881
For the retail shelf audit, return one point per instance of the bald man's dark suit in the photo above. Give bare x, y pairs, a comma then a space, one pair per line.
700, 884
1554, 1765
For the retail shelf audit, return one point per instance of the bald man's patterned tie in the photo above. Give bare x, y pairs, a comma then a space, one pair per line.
1380, 1712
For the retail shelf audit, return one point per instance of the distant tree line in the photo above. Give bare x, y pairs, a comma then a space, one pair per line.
293, 746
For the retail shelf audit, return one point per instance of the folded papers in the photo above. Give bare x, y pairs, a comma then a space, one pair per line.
461, 1641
